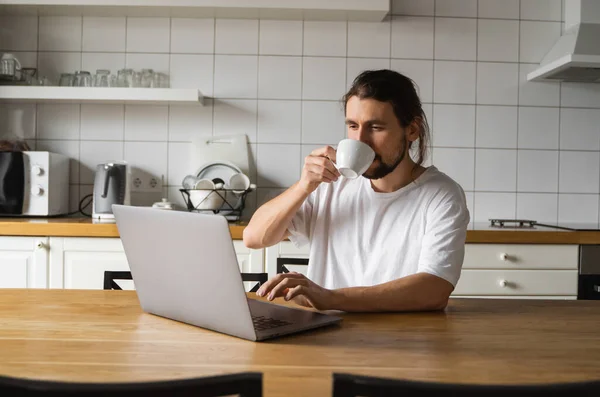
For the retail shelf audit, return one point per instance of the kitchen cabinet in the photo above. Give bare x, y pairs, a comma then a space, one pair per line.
23, 262
353, 10
532, 271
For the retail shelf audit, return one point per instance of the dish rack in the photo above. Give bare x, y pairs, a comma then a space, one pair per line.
232, 211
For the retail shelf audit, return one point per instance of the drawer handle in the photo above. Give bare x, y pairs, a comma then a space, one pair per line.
503, 283
504, 256
40, 245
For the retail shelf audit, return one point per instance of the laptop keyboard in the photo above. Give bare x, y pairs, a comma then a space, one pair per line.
262, 323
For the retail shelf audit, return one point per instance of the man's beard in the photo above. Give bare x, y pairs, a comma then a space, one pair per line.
384, 169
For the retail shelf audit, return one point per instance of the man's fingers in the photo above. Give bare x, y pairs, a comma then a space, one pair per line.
271, 283
280, 289
321, 173
295, 292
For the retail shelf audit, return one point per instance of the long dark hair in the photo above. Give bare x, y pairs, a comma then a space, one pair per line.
389, 86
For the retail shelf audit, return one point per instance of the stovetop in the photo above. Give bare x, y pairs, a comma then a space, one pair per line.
529, 224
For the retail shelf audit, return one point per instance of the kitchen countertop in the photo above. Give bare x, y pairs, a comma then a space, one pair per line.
477, 233
87, 336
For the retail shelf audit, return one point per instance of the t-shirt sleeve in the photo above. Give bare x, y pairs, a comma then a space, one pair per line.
300, 226
443, 246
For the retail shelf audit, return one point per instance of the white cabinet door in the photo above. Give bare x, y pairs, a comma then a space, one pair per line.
23, 262
79, 263
249, 261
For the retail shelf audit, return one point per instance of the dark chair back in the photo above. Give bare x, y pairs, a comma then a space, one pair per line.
347, 385
111, 276
247, 384
281, 262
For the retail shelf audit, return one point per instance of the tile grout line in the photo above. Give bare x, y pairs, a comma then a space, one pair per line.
476, 112
518, 111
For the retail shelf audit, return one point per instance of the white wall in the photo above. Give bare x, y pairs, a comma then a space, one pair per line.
518, 148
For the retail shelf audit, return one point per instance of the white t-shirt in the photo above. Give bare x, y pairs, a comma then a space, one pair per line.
359, 237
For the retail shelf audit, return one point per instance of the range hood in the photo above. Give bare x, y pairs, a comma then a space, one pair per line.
576, 55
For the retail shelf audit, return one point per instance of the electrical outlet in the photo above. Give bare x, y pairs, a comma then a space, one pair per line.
142, 181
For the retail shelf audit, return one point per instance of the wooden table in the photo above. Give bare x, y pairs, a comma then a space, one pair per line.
104, 336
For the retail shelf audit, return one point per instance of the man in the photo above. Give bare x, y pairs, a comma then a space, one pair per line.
392, 240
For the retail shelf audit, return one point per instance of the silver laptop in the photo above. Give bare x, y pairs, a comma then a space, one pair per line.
184, 268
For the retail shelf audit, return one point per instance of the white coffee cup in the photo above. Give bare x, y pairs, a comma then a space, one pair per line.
353, 158
239, 183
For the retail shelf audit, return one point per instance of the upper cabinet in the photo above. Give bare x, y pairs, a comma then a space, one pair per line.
352, 10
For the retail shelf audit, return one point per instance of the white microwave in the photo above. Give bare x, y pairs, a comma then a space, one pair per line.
34, 184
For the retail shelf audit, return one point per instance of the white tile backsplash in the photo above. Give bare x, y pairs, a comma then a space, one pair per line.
192, 71
454, 126
18, 33
496, 127
323, 78
497, 83
505, 9
578, 208
494, 205
289, 102
580, 95
149, 157
58, 33
157, 62
58, 121
411, 7
235, 116
106, 34
102, 122
187, 121
236, 36
454, 82
322, 122
495, 170
538, 128
280, 37
18, 120
538, 171
498, 40
148, 35
236, 76
279, 121
536, 39
325, 38
279, 77
52, 64
456, 8
180, 162
542, 207
412, 37
541, 10
455, 39
579, 129
278, 165
92, 61
457, 163
369, 39
192, 35
535, 93
146, 122
421, 72
579, 172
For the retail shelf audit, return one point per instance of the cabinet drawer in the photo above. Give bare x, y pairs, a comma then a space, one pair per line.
517, 282
520, 256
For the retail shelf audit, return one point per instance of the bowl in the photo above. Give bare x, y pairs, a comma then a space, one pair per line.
207, 199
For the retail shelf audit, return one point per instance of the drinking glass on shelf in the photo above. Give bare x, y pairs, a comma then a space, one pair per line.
136, 79
125, 78
160, 80
147, 76
66, 80
102, 78
83, 79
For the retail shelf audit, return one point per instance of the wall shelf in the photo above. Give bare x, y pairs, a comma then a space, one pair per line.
353, 10
101, 95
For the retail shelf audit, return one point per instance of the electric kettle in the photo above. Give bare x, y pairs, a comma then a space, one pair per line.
112, 185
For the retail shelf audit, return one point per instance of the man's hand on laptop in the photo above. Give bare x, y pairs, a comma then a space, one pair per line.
297, 287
